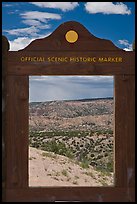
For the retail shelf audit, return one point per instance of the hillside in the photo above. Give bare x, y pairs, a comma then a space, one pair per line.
80, 130
79, 115
49, 169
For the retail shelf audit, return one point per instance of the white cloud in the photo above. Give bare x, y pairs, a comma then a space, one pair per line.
11, 4
127, 49
31, 22
73, 78
21, 42
69, 87
23, 31
13, 12
124, 42
44, 26
6, 5
128, 46
40, 16
64, 6
36, 20
33, 31
107, 8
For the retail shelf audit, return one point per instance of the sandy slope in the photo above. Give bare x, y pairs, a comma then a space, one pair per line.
48, 169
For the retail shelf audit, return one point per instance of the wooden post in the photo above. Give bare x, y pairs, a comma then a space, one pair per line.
5, 48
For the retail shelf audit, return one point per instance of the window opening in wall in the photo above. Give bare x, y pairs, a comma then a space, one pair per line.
71, 131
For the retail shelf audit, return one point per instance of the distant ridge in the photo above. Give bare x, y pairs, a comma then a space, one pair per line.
78, 115
80, 100
91, 99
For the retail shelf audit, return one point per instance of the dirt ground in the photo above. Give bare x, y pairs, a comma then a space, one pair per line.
49, 169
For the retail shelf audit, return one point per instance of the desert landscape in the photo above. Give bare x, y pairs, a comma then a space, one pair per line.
71, 143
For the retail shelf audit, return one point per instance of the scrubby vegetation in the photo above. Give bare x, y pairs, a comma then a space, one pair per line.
87, 148
79, 132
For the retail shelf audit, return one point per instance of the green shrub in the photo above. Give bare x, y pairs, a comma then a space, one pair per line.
58, 148
84, 163
64, 173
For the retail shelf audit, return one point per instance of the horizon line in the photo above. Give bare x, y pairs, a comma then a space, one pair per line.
82, 99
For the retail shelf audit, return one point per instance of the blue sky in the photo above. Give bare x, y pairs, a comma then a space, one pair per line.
23, 22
